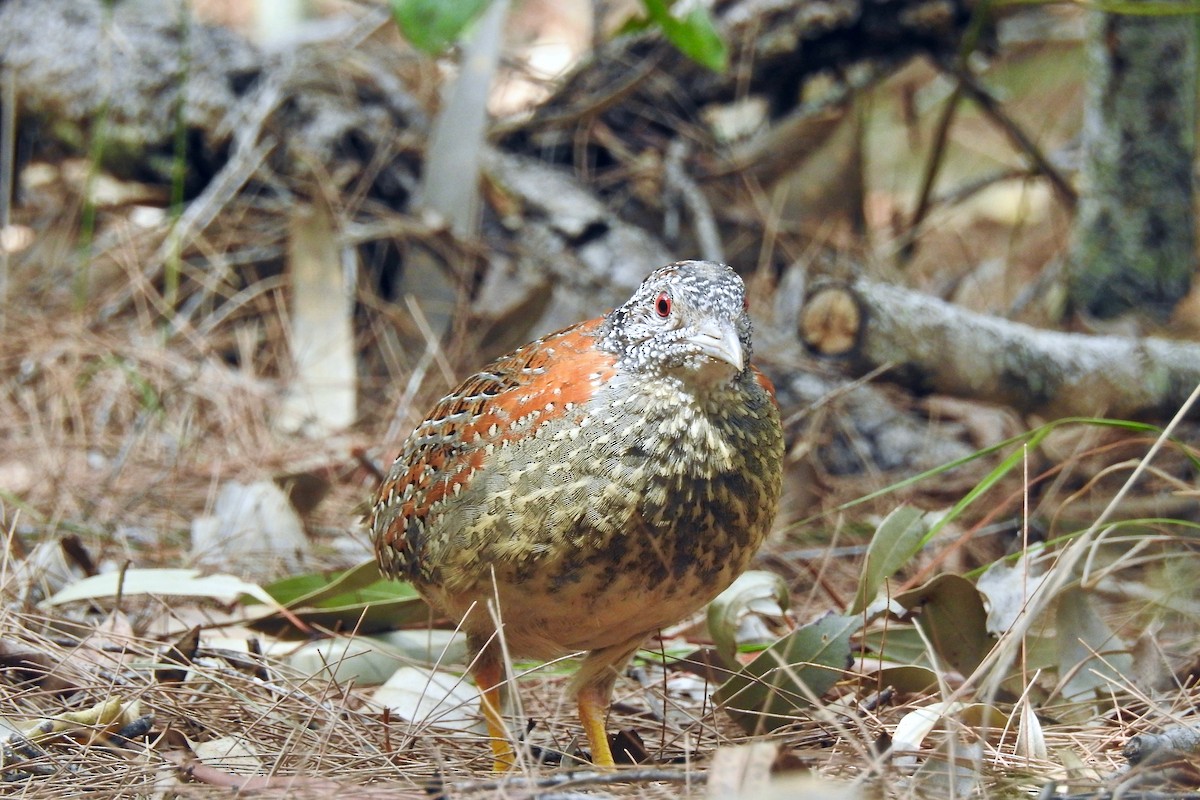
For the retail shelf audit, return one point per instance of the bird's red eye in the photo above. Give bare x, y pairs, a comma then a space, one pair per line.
662, 306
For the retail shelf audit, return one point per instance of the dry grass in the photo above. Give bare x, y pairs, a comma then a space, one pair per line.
328, 739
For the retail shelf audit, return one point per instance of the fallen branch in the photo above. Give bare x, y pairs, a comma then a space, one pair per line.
935, 346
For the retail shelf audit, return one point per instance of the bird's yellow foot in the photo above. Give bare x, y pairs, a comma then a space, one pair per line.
593, 704
487, 678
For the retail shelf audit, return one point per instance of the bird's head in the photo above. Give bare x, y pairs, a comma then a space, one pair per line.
687, 319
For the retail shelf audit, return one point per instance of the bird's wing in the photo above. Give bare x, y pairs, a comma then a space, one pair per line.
764, 382
506, 400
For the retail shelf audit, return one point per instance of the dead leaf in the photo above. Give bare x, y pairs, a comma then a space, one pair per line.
751, 611
1091, 657
254, 527
1006, 587
223, 589
431, 698
741, 771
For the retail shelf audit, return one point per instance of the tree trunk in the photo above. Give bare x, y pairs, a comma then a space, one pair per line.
1134, 234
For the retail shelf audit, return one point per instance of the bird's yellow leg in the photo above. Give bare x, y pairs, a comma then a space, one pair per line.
488, 675
593, 686
593, 708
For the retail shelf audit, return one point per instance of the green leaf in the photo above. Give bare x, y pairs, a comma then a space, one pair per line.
1091, 657
1144, 8
635, 24
898, 643
693, 32
358, 599
898, 537
433, 25
910, 679
321, 588
786, 677
952, 616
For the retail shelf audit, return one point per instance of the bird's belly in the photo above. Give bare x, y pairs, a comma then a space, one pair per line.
542, 619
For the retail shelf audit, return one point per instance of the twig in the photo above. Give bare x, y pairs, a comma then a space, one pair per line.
8, 166
932, 167
992, 108
681, 186
266, 285
368, 463
290, 786
248, 156
590, 105
433, 353
969, 189
590, 778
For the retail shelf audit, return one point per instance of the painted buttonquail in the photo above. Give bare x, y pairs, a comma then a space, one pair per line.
592, 487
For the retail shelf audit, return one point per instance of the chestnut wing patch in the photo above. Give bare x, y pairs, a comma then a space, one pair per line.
547, 380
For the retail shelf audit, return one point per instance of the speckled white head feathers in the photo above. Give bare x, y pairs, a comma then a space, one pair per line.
688, 319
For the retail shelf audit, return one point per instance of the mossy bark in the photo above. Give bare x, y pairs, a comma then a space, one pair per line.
1134, 239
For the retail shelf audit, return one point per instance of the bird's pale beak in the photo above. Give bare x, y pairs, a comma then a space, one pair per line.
720, 341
